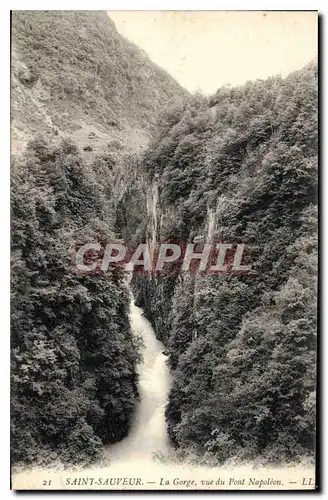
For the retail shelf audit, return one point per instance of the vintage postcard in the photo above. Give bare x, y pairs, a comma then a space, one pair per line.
164, 240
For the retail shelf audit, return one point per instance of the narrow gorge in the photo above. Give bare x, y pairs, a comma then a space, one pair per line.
171, 367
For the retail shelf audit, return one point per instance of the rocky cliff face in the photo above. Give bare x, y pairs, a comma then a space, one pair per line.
74, 76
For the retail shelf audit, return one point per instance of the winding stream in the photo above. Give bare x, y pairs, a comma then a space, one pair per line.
148, 433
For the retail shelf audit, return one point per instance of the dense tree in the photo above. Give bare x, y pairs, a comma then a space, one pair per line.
73, 355
242, 348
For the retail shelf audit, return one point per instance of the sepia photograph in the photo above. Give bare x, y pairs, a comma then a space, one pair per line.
164, 250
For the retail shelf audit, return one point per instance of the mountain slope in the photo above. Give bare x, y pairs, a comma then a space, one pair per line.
74, 74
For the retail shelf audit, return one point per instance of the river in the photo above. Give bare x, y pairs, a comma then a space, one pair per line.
148, 433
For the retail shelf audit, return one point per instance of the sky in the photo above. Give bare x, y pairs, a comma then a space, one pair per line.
204, 50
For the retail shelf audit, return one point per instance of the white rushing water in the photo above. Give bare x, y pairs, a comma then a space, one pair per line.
148, 433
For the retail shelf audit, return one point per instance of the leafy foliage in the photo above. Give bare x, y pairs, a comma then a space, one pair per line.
73, 355
242, 348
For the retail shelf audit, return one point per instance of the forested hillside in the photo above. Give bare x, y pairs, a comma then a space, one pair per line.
73, 356
240, 166
74, 382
